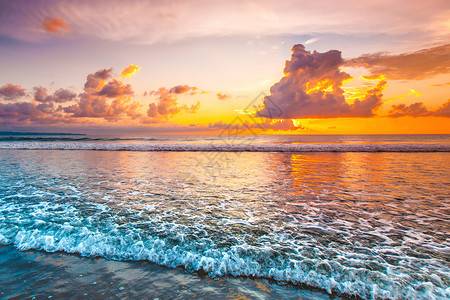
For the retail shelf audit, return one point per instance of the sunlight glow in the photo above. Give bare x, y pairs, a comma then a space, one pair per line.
129, 71
323, 86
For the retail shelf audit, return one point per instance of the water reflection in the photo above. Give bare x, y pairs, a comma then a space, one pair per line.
345, 222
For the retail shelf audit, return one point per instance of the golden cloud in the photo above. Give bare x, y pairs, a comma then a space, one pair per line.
130, 71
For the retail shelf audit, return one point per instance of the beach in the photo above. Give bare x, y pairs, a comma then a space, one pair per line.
40, 275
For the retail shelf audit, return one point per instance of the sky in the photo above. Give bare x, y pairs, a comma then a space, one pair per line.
201, 67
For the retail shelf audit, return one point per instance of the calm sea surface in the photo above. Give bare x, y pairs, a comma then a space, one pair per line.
374, 225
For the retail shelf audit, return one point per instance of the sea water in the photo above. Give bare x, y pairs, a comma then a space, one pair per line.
363, 216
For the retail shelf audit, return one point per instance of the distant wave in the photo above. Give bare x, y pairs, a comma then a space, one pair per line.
69, 139
239, 147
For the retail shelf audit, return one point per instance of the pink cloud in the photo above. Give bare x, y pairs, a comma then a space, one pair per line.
110, 100
59, 96
89, 107
180, 89
105, 98
163, 21
167, 102
116, 88
11, 92
55, 25
95, 81
223, 96
26, 113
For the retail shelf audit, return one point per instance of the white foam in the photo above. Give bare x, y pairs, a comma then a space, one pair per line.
224, 147
238, 260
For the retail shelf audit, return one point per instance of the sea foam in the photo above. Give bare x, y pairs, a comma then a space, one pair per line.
49, 227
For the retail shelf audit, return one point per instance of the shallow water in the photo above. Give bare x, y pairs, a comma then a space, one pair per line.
40, 275
374, 225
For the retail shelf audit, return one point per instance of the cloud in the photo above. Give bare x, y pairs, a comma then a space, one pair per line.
55, 25
312, 88
310, 41
192, 109
95, 81
166, 21
239, 125
13, 110
11, 92
167, 104
129, 71
282, 125
443, 110
89, 107
105, 98
417, 65
223, 128
440, 84
223, 96
419, 109
180, 89
110, 100
59, 96
26, 113
116, 88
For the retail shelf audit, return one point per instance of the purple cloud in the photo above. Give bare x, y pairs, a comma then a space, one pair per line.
312, 88
11, 92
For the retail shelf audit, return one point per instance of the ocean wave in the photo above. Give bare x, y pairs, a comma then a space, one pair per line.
112, 231
68, 138
225, 147
261, 261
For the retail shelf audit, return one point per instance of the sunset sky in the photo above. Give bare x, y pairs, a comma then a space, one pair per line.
197, 67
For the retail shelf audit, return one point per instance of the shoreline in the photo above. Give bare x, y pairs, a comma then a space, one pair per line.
38, 274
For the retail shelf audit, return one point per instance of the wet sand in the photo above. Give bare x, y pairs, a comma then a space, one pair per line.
40, 275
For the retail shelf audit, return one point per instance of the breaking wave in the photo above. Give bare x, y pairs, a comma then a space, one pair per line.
98, 232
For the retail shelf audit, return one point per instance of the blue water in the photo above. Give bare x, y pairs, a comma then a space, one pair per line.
372, 225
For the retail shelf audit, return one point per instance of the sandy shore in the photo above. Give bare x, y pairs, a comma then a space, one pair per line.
41, 275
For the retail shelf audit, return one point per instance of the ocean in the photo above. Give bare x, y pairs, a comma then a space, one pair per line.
244, 217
